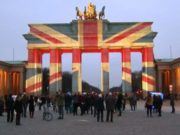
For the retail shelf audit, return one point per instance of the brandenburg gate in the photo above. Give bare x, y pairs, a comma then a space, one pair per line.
91, 33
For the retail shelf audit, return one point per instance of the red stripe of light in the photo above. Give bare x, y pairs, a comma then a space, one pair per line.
148, 80
126, 70
90, 33
148, 55
34, 86
76, 56
105, 55
55, 56
126, 55
45, 36
131, 31
54, 76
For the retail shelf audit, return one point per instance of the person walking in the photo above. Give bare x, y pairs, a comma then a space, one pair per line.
18, 108
110, 104
10, 108
149, 103
100, 107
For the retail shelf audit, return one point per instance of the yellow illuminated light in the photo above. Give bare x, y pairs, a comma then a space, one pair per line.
178, 79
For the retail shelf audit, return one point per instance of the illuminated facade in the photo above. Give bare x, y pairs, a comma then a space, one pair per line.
168, 73
12, 76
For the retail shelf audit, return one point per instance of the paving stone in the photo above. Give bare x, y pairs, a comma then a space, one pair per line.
130, 123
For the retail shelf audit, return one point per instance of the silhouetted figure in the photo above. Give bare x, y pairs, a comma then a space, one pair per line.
100, 107
10, 108
110, 104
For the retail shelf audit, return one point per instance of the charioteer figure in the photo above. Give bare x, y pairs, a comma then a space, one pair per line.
91, 14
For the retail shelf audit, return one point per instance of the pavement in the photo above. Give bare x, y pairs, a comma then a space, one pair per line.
130, 123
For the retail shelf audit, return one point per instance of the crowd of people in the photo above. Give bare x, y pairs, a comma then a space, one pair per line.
92, 103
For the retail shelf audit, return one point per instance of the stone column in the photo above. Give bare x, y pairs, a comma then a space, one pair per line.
126, 70
8, 83
15, 83
148, 73
2, 83
166, 82
105, 70
76, 71
159, 81
178, 79
21, 82
18, 83
55, 81
173, 81
33, 71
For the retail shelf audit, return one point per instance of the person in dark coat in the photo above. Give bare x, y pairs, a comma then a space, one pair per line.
25, 104
31, 106
75, 104
172, 103
1, 107
81, 103
10, 108
132, 102
155, 109
119, 103
100, 107
18, 108
124, 101
95, 107
110, 104
159, 105
68, 101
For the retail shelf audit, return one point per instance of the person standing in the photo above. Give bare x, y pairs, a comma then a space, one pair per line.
25, 101
31, 106
172, 103
1, 106
95, 108
100, 107
132, 102
124, 102
149, 103
75, 104
159, 105
60, 103
10, 108
119, 103
110, 104
18, 108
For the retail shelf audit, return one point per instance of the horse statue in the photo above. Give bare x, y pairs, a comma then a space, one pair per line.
86, 14
78, 13
102, 13
95, 13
